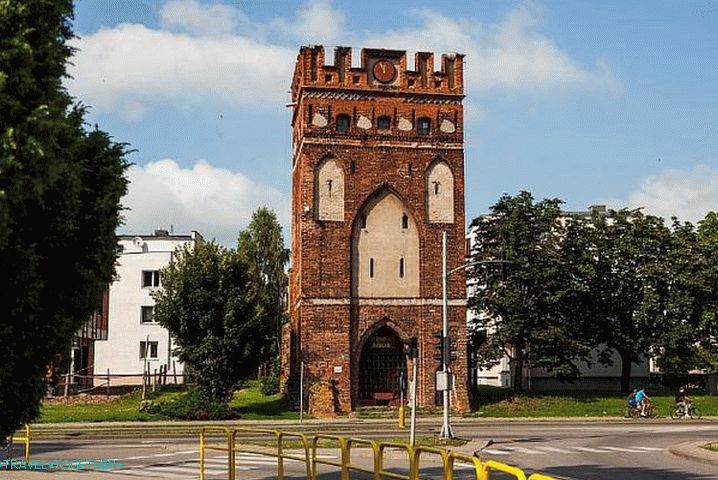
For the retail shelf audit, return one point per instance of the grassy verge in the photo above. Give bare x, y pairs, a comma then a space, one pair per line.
247, 403
496, 402
712, 447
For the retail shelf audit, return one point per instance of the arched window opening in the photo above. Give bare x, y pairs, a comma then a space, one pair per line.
383, 122
404, 222
423, 126
343, 123
329, 190
440, 193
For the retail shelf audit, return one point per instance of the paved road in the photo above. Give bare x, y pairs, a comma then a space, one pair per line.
635, 451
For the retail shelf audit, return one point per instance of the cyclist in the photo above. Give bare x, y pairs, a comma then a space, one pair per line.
682, 400
632, 399
642, 400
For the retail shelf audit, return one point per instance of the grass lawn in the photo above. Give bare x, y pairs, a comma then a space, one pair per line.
712, 447
247, 403
497, 402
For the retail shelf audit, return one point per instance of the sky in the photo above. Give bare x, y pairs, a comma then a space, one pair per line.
607, 102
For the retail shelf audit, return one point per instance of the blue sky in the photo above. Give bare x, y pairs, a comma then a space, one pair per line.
592, 102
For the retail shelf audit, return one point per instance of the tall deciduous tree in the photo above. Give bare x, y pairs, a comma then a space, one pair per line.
525, 306
708, 321
207, 305
629, 279
60, 187
261, 246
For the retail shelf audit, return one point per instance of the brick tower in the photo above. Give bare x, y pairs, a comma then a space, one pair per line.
377, 176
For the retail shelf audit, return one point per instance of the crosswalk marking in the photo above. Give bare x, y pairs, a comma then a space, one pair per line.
502, 450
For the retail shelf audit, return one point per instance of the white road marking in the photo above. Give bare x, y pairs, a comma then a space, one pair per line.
493, 451
527, 451
650, 449
554, 449
591, 450
622, 449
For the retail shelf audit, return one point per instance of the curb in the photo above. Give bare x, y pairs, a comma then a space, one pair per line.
692, 451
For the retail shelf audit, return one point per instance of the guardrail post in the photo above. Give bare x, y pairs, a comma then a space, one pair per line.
201, 454
230, 455
280, 457
27, 442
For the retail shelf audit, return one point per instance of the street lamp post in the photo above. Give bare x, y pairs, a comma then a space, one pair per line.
446, 431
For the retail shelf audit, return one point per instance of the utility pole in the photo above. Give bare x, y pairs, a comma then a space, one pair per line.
446, 431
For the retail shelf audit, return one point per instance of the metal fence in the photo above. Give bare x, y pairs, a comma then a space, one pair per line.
305, 451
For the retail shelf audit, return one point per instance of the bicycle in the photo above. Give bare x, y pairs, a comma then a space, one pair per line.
635, 412
690, 410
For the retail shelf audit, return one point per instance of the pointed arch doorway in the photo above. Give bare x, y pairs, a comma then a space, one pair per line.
381, 364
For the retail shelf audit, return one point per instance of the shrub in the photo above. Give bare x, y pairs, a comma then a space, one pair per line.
191, 405
270, 382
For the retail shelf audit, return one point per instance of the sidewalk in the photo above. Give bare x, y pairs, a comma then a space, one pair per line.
693, 451
334, 425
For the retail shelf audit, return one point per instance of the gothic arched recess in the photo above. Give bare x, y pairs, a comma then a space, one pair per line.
385, 249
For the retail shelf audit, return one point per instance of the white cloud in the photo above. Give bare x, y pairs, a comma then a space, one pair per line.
193, 17
215, 51
214, 201
130, 66
316, 22
508, 55
686, 194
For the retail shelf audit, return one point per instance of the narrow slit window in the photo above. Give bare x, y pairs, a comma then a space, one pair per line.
353, 167
401, 267
371, 268
436, 187
411, 169
343, 123
329, 187
404, 222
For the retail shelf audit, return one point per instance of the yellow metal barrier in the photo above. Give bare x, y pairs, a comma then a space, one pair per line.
411, 454
229, 448
376, 468
442, 453
25, 440
309, 444
490, 465
472, 460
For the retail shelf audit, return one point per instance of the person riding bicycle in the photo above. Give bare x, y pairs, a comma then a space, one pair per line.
632, 399
682, 400
642, 400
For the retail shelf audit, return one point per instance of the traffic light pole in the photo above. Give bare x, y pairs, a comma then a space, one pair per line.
446, 431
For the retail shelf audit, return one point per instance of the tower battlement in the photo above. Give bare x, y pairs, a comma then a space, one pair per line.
380, 69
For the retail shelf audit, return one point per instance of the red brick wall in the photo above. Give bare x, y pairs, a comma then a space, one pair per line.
329, 324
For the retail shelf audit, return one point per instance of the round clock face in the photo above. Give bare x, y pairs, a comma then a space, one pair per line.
384, 71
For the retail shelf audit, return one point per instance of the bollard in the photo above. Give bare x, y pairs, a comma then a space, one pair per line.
402, 424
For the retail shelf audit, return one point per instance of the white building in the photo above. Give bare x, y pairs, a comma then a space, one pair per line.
134, 337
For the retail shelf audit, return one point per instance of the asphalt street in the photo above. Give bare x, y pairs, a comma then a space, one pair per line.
624, 450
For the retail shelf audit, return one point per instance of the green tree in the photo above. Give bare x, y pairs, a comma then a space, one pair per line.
207, 305
60, 187
707, 327
526, 306
628, 277
261, 246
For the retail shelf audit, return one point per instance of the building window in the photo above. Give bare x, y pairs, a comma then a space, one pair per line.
437, 187
148, 353
147, 315
401, 268
363, 221
404, 222
423, 126
343, 123
371, 268
353, 167
383, 123
150, 278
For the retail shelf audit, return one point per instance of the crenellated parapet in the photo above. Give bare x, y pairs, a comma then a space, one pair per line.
380, 69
